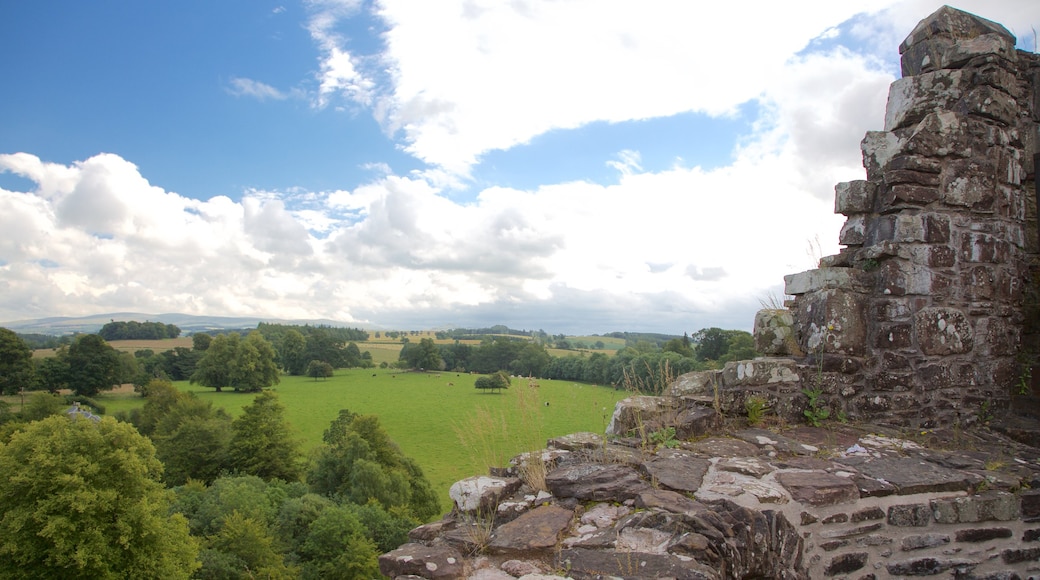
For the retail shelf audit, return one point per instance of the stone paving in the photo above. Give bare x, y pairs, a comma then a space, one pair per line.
836, 502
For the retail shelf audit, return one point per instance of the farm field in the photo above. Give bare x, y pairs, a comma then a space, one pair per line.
428, 416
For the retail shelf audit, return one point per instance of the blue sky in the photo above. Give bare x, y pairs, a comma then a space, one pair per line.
580, 166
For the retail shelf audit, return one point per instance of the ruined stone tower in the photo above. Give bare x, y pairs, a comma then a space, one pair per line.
919, 319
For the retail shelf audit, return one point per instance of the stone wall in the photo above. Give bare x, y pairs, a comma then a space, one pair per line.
919, 320
748, 503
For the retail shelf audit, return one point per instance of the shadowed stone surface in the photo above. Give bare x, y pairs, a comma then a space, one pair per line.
817, 488
538, 529
911, 475
595, 481
677, 471
423, 561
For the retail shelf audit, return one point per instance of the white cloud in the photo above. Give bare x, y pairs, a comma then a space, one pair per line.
472, 76
243, 87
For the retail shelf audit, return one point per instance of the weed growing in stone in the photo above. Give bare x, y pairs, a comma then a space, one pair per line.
756, 407
817, 412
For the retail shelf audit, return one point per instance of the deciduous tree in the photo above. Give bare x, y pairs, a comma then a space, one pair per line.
262, 442
16, 366
82, 499
93, 365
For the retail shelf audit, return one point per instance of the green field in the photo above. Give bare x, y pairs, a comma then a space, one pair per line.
425, 414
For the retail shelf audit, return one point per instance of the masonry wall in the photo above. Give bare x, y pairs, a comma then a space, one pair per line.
919, 320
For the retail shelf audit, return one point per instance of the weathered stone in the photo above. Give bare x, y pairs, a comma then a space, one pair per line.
1014, 556
583, 563
906, 515
745, 465
538, 529
771, 441
695, 421
931, 44
696, 384
642, 413
929, 566
481, 492
668, 501
989, 506
851, 532
982, 534
729, 447
595, 481
833, 322
854, 197
818, 488
910, 475
760, 372
943, 331
838, 518
518, 568
677, 470
576, 441
824, 278
774, 332
923, 541
423, 561
846, 563
867, 514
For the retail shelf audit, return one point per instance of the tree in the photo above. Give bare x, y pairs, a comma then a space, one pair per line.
262, 443
93, 365
360, 463
16, 366
319, 369
200, 341
82, 499
493, 382
713, 344
291, 352
244, 365
52, 373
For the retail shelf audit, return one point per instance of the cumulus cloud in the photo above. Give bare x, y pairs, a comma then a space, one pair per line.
471, 76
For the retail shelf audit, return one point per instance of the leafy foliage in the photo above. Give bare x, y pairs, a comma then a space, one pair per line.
133, 330
92, 365
262, 443
493, 382
359, 463
81, 499
16, 366
244, 365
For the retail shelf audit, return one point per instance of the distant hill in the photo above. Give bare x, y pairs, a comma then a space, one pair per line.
62, 325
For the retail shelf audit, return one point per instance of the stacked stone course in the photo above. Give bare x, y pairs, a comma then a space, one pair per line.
919, 320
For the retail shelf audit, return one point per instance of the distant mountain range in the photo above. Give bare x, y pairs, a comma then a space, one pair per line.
62, 325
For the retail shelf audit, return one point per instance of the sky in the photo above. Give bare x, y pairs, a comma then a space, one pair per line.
575, 166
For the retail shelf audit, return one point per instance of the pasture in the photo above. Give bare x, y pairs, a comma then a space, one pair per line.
439, 419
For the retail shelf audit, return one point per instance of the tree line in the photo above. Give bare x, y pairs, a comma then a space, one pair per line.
638, 365
133, 330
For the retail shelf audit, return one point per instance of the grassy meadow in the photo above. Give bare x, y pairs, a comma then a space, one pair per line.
439, 419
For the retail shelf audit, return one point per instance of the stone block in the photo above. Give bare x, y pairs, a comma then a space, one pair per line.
423, 561
853, 232
894, 336
760, 372
846, 563
979, 247
898, 196
920, 542
595, 481
878, 148
970, 183
1016, 556
976, 535
941, 134
854, 197
990, 506
930, 566
481, 493
832, 322
985, 101
818, 488
866, 514
943, 331
912, 475
950, 25
774, 332
538, 529
825, 278
910, 515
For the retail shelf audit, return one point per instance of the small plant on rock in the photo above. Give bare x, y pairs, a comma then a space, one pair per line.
664, 438
817, 411
756, 407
